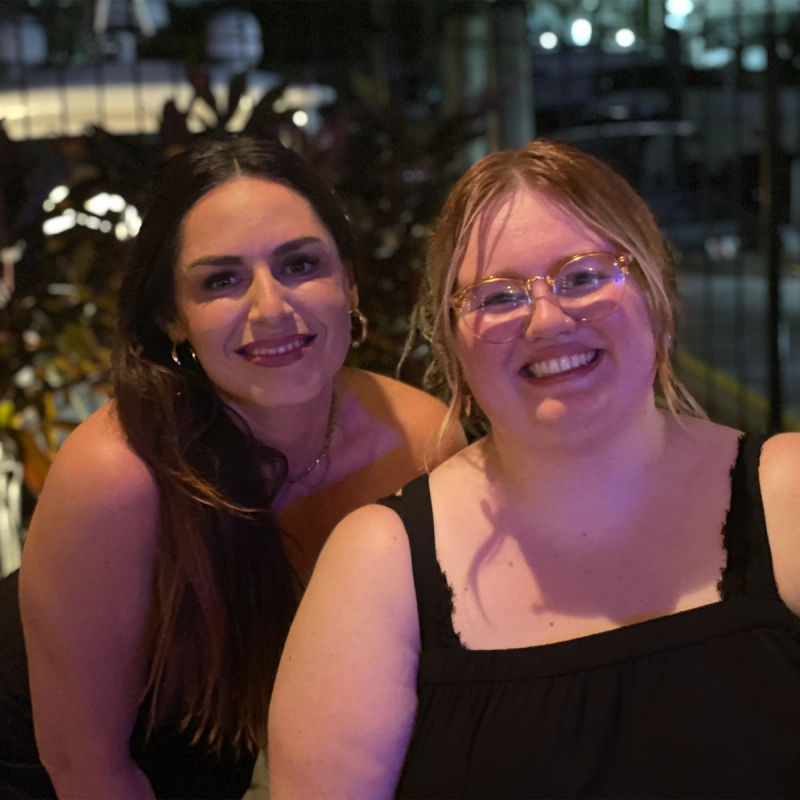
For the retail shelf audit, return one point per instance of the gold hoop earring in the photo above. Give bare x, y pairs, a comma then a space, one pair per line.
363, 328
176, 357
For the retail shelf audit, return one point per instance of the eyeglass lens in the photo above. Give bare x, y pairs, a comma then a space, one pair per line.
585, 288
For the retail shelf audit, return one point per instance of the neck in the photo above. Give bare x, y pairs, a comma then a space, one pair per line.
551, 470
298, 431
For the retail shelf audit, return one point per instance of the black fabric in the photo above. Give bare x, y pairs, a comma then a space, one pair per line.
174, 767
700, 704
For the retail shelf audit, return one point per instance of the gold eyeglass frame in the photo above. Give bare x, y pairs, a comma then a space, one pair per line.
623, 259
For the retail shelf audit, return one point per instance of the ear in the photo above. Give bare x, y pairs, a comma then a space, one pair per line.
175, 330
352, 289
352, 296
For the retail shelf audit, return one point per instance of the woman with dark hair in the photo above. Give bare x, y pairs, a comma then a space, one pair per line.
597, 599
179, 525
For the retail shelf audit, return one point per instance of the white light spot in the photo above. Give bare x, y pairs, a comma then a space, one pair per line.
105, 226
754, 57
625, 37
31, 338
680, 8
54, 225
26, 377
116, 203
300, 118
133, 220
675, 21
548, 40
93, 223
121, 231
581, 31
48, 205
99, 204
59, 193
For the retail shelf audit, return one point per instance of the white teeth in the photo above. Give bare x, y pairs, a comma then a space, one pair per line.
275, 351
556, 366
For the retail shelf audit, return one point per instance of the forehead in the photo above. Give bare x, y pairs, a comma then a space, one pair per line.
523, 234
248, 213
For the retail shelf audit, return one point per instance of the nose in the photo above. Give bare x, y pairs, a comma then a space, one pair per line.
268, 297
547, 317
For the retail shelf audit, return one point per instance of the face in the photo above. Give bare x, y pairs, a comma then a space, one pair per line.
561, 374
261, 294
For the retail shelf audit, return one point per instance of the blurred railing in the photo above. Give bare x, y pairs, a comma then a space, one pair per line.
711, 139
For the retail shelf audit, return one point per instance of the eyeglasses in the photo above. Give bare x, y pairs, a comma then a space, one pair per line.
585, 287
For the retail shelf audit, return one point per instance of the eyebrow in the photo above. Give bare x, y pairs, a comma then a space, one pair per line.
235, 261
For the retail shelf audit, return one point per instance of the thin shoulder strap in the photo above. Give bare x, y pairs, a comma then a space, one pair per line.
434, 595
749, 568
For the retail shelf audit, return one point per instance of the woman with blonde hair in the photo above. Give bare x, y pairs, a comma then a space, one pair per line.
592, 600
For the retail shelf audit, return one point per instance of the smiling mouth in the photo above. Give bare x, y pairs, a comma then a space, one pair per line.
251, 351
559, 366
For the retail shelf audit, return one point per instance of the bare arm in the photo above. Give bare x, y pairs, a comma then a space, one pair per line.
85, 587
345, 696
780, 488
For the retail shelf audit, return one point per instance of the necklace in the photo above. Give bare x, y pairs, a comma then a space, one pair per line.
326, 445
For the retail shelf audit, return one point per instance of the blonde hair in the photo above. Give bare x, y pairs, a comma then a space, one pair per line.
592, 192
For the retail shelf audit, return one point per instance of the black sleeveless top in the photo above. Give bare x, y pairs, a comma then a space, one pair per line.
174, 767
702, 703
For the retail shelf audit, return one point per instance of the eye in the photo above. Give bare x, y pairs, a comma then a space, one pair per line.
302, 266
580, 282
220, 280
495, 297
583, 279
500, 299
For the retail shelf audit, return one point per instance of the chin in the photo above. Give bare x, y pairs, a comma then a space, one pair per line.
283, 397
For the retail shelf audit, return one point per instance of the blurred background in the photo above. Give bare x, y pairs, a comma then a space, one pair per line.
695, 102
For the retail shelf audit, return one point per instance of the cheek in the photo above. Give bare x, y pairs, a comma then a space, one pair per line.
338, 329
633, 332
483, 365
213, 322
643, 326
333, 312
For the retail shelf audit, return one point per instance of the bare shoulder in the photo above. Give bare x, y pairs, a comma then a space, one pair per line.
419, 415
97, 490
403, 400
97, 456
780, 458
779, 477
779, 471
367, 558
100, 439
372, 539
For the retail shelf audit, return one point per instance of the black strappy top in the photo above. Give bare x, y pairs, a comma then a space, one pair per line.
703, 703
175, 766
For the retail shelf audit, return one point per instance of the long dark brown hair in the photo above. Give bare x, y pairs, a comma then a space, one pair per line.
223, 592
